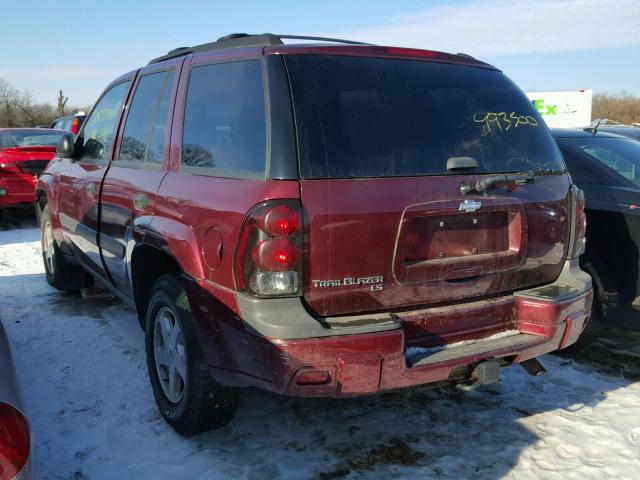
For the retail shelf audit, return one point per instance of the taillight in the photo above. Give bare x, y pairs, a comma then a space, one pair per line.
579, 223
15, 442
268, 262
74, 125
9, 167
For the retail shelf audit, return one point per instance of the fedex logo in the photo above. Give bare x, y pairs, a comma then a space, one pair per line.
540, 106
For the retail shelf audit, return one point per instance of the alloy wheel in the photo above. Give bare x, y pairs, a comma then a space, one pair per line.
48, 248
170, 354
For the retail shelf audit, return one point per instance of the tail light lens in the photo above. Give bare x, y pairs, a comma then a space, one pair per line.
15, 442
9, 167
74, 125
579, 225
268, 259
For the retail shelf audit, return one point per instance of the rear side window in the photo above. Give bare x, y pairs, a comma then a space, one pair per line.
620, 156
377, 117
144, 131
97, 135
224, 119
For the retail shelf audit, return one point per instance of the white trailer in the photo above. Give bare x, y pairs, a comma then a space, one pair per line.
563, 109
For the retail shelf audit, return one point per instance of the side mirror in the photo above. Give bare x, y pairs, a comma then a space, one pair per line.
66, 146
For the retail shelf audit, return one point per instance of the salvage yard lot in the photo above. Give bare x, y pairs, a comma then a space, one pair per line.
82, 369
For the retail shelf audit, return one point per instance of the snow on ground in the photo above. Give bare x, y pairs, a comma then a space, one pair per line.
83, 376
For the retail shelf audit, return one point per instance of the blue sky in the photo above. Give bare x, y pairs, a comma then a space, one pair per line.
541, 44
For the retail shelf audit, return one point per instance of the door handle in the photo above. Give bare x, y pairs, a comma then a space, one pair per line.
140, 201
91, 189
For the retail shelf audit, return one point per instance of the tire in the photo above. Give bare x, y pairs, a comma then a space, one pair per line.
594, 329
60, 273
187, 397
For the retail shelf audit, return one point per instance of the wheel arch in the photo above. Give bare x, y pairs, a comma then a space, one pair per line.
45, 195
148, 263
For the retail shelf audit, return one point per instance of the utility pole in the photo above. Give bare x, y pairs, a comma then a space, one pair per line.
62, 102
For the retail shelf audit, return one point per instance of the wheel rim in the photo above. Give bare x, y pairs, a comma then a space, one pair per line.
47, 247
170, 354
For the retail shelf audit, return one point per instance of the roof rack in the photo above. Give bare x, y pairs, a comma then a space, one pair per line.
235, 40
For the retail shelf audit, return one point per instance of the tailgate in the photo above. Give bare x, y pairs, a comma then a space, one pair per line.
385, 145
389, 243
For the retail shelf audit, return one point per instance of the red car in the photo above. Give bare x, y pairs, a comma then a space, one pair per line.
24, 154
15, 431
319, 220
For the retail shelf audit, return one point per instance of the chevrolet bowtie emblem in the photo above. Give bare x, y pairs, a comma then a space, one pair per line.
470, 206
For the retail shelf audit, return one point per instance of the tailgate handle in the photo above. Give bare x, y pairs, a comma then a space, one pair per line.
462, 274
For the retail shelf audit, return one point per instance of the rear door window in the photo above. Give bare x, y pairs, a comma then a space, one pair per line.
379, 117
144, 131
224, 120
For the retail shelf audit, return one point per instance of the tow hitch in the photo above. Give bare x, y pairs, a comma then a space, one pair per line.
485, 373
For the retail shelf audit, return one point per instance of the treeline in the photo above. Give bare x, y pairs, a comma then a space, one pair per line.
19, 109
623, 107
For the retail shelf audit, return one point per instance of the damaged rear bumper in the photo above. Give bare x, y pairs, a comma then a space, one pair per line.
288, 354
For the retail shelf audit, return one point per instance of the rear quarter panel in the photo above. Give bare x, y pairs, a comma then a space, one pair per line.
198, 216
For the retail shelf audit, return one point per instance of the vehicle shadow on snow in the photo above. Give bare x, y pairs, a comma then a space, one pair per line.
11, 218
411, 433
422, 432
615, 353
14, 222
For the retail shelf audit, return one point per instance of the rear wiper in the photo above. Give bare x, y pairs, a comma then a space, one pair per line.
549, 171
487, 183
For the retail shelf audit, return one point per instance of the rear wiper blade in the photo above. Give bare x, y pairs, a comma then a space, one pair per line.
549, 172
487, 183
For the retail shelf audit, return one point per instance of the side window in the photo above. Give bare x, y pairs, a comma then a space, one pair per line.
224, 120
155, 147
584, 170
144, 131
612, 159
97, 135
578, 168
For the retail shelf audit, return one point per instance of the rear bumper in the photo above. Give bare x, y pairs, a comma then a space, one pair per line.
351, 360
17, 189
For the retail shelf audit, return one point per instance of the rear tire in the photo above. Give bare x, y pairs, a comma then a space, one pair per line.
188, 398
60, 273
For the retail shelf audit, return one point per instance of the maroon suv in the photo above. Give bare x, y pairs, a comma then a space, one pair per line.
319, 220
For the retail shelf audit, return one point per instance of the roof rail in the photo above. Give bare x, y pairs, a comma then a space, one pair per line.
236, 40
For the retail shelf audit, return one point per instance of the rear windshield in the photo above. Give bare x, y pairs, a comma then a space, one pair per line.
376, 117
27, 138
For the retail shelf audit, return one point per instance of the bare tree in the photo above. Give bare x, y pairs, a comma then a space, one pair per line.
62, 102
19, 109
8, 96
